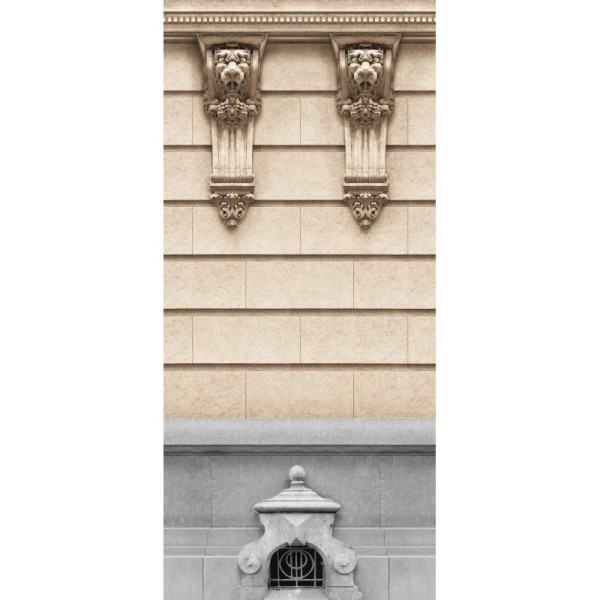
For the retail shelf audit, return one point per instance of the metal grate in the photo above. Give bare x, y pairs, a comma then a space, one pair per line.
298, 566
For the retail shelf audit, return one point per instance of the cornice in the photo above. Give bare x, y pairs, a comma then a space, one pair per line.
299, 22
176, 17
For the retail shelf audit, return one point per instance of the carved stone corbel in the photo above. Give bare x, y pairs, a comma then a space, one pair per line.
365, 99
232, 100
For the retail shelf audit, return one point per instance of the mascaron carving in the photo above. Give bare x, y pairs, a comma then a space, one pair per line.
364, 72
365, 98
232, 100
231, 76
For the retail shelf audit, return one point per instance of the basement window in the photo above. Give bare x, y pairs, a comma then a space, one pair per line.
296, 567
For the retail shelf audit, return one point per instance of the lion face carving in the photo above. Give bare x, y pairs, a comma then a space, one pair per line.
365, 66
231, 67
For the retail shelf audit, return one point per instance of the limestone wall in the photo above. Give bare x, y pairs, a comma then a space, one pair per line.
299, 312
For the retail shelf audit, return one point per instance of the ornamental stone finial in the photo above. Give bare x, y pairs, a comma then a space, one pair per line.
297, 474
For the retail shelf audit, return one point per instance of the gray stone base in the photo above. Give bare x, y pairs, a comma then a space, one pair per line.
386, 490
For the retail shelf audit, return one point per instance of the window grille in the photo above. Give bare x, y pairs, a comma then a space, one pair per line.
298, 566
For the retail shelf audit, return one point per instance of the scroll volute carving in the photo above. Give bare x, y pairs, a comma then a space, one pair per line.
365, 100
232, 101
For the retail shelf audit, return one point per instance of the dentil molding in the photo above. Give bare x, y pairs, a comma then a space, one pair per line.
232, 100
365, 99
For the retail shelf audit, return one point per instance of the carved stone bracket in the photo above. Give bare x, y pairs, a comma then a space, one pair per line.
365, 98
232, 100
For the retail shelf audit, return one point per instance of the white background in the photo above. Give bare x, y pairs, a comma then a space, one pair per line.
518, 326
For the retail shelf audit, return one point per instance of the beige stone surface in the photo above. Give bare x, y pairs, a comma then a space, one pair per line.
421, 340
201, 124
299, 5
178, 230
298, 67
178, 339
246, 339
421, 120
299, 156
278, 123
394, 394
204, 284
264, 230
333, 230
299, 394
204, 394
415, 67
421, 230
182, 67
321, 123
354, 339
299, 284
300, 174
411, 174
394, 284
187, 174
178, 119
397, 134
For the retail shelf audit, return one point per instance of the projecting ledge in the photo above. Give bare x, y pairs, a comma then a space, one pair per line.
300, 435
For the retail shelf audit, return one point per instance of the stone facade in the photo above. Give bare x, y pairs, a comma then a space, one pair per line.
299, 280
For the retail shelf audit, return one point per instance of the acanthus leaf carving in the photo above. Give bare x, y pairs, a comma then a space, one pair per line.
365, 206
365, 112
232, 207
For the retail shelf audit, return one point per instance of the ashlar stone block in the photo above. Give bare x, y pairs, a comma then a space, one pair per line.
397, 128
421, 230
178, 339
204, 394
182, 67
278, 123
201, 135
299, 174
178, 119
394, 394
371, 577
321, 122
266, 230
183, 578
299, 284
354, 339
298, 67
187, 174
412, 577
421, 340
415, 67
221, 576
246, 339
412, 174
204, 284
299, 394
401, 284
333, 230
421, 120
178, 230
